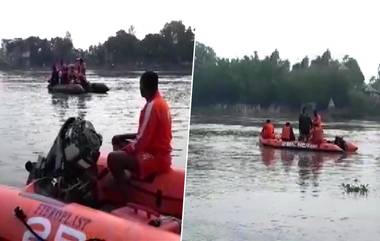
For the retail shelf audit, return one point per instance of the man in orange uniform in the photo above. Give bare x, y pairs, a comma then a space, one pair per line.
149, 151
287, 133
317, 135
80, 67
317, 130
268, 130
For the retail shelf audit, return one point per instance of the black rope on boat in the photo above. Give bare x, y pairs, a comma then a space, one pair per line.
19, 213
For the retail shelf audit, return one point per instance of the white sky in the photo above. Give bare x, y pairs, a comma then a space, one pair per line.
89, 22
296, 29
232, 28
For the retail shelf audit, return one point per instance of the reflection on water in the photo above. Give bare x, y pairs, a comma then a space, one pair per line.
238, 190
60, 103
30, 117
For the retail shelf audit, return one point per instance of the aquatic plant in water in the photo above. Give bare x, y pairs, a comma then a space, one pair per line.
355, 188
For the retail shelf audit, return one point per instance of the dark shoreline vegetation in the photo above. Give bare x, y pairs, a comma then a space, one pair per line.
170, 50
215, 112
269, 85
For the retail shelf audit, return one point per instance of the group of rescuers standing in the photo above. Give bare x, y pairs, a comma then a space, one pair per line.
310, 130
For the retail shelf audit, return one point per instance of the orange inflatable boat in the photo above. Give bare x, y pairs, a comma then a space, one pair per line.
326, 146
146, 210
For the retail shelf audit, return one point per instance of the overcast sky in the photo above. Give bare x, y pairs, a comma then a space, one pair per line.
89, 22
232, 28
296, 29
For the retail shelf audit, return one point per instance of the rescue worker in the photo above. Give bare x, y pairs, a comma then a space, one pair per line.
317, 136
304, 125
60, 70
317, 120
72, 77
268, 130
149, 152
54, 79
80, 68
65, 75
287, 133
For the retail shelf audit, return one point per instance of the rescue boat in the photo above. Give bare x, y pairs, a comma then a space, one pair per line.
326, 146
78, 89
149, 209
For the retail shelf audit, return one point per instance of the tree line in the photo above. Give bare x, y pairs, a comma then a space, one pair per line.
271, 80
174, 44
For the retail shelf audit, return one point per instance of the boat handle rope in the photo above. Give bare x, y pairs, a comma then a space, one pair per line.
19, 213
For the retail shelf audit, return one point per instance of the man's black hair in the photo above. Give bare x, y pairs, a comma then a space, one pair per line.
268, 121
150, 80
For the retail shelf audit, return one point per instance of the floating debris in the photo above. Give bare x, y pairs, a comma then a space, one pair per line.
355, 188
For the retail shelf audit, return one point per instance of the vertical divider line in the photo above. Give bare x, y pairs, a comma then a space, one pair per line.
188, 137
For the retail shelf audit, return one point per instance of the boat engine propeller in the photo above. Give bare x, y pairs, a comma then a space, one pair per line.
69, 171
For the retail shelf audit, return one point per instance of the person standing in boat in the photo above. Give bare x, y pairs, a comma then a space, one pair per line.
60, 70
65, 75
54, 79
268, 130
80, 67
149, 151
317, 120
71, 74
287, 133
317, 136
304, 125
317, 129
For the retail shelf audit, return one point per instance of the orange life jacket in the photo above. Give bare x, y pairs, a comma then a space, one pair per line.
287, 133
317, 121
268, 131
317, 135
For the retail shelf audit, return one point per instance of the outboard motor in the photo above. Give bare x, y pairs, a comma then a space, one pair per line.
69, 171
340, 142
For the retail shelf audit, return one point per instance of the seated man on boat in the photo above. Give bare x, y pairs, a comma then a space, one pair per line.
268, 131
287, 133
149, 151
304, 125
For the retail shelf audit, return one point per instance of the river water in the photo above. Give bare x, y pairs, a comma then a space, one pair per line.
237, 190
30, 117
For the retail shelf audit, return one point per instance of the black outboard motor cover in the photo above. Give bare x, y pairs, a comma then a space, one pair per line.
70, 165
339, 141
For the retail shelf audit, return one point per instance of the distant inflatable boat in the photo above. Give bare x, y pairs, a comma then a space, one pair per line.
78, 89
298, 145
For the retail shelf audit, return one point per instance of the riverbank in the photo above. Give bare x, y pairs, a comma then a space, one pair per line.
278, 112
174, 69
